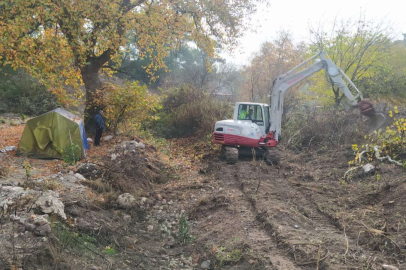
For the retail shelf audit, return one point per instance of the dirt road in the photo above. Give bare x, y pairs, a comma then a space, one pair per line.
299, 215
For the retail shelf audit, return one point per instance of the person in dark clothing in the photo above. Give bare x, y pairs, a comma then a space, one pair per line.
99, 127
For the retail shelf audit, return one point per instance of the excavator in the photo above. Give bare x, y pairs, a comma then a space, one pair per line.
257, 126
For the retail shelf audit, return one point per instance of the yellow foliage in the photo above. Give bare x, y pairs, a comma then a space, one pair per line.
391, 141
59, 41
130, 104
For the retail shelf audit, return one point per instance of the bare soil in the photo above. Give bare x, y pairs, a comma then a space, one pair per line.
298, 215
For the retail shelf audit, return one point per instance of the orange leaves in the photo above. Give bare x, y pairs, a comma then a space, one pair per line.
10, 135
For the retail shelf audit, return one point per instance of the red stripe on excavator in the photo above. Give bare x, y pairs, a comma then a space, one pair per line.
230, 139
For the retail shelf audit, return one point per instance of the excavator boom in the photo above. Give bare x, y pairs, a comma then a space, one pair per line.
336, 77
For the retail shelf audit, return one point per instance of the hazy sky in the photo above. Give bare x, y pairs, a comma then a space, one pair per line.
295, 16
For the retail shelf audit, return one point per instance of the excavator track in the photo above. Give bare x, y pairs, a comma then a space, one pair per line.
270, 156
230, 154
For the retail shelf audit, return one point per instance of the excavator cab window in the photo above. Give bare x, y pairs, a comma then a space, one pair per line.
251, 112
267, 123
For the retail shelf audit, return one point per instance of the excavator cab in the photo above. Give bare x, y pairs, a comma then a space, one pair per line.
257, 113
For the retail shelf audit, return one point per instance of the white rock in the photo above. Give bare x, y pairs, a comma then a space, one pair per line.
131, 145
8, 149
14, 218
40, 220
141, 145
49, 203
143, 200
368, 168
389, 267
126, 200
10, 194
108, 138
80, 177
90, 140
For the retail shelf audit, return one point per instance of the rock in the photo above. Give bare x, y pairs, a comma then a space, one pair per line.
108, 138
80, 177
162, 251
389, 267
296, 227
14, 218
131, 145
39, 220
205, 264
8, 149
49, 203
89, 140
30, 227
126, 218
170, 243
143, 200
130, 240
9, 195
83, 224
141, 145
368, 168
69, 178
126, 200
43, 230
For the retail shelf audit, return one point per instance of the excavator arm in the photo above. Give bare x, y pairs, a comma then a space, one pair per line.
292, 77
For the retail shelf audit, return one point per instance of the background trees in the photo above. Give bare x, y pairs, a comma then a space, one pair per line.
358, 47
274, 58
71, 41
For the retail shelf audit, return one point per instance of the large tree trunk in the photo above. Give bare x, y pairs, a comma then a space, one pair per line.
91, 80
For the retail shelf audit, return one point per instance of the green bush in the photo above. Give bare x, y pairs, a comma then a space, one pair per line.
184, 234
188, 111
20, 93
71, 154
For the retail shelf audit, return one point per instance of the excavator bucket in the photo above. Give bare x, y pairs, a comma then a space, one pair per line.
375, 120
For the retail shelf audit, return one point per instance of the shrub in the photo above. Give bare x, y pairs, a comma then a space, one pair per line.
71, 154
390, 141
129, 105
188, 111
184, 234
20, 93
322, 128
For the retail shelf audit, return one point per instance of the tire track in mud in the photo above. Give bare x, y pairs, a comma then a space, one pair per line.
322, 234
278, 253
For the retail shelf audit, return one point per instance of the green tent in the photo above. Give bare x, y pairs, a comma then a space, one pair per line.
48, 135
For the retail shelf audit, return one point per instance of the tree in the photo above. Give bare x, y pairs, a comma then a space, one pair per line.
356, 46
72, 41
274, 58
388, 80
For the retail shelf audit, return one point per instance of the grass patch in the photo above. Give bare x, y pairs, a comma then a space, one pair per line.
184, 234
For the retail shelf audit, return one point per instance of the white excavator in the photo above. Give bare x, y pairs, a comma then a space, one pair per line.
257, 126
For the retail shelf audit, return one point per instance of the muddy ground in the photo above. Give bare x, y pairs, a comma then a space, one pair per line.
300, 214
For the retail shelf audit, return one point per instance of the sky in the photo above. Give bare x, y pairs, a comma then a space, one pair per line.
295, 16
